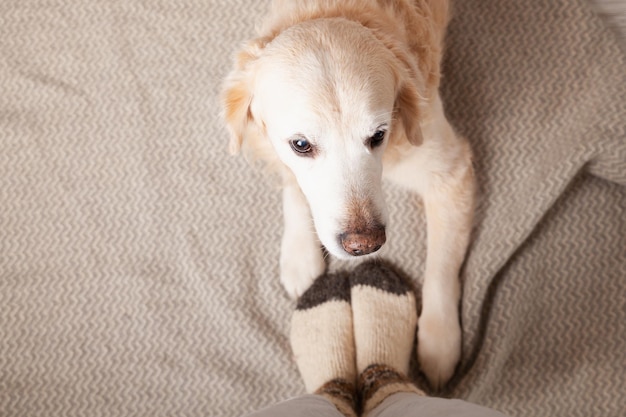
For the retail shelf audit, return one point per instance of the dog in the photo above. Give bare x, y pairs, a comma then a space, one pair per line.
337, 95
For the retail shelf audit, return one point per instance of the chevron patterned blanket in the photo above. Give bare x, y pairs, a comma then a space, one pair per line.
138, 260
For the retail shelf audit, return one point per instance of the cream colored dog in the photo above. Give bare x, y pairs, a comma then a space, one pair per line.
336, 95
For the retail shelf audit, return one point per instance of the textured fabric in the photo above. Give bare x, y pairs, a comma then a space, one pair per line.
139, 262
303, 406
398, 405
411, 405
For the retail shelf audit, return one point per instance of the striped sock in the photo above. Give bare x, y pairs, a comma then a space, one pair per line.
384, 320
323, 343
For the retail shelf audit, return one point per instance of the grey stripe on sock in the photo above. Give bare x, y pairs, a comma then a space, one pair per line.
325, 288
378, 275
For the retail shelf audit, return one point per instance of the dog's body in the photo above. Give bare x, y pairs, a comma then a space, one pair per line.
336, 95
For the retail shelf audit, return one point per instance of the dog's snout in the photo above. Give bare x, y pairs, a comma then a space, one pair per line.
360, 243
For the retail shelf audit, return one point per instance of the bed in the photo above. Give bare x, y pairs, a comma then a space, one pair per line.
139, 260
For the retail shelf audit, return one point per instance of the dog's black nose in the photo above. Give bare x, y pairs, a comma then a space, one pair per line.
360, 243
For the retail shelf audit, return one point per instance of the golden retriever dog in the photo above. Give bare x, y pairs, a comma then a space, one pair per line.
337, 95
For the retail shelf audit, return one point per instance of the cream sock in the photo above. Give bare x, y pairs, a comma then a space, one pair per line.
385, 321
323, 343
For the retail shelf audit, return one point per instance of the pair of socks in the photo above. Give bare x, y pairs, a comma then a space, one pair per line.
352, 337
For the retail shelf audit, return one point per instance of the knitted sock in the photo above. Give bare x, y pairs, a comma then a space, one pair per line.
385, 320
323, 343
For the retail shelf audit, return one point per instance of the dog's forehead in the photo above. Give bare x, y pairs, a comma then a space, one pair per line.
309, 77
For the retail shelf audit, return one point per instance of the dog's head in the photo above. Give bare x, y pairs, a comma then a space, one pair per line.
328, 97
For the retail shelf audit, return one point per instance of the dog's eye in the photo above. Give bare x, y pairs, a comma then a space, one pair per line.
301, 146
377, 139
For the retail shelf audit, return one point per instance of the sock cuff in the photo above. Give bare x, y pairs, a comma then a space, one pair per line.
377, 382
325, 288
342, 394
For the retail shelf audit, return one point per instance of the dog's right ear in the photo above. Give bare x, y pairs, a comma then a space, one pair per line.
407, 107
237, 95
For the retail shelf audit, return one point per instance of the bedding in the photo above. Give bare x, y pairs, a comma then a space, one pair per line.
139, 261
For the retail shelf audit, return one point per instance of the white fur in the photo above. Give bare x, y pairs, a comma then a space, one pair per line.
344, 166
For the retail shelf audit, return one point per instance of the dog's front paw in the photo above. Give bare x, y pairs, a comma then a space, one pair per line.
438, 346
299, 267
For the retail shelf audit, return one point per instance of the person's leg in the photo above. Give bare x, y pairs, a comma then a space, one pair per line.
304, 406
412, 405
385, 320
323, 342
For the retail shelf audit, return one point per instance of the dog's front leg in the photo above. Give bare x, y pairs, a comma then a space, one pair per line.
301, 256
449, 205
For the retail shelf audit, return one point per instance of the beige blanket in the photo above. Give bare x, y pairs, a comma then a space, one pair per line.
138, 261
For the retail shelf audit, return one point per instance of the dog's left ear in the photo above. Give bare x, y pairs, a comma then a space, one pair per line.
237, 95
407, 108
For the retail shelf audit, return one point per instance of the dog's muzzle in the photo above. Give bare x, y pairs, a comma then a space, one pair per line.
363, 242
